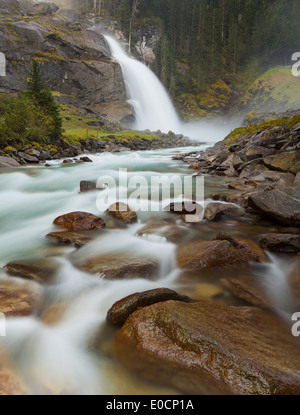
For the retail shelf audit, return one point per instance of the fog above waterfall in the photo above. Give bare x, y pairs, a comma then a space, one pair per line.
153, 107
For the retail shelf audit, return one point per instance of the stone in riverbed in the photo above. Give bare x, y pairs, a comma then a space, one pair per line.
80, 221
215, 211
202, 348
124, 266
8, 162
163, 229
248, 290
184, 208
280, 242
18, 299
78, 239
40, 273
122, 309
279, 205
201, 255
89, 186
86, 159
122, 212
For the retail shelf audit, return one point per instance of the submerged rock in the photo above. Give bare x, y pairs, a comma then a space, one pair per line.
19, 299
121, 266
248, 290
123, 213
78, 239
163, 229
122, 309
201, 348
215, 211
80, 221
39, 273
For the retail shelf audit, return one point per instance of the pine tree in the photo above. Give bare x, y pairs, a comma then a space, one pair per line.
39, 92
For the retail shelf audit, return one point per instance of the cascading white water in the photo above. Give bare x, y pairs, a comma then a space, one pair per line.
153, 107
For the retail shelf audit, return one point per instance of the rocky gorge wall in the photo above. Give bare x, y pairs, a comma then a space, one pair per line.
75, 60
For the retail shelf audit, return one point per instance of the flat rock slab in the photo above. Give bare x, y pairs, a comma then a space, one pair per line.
19, 299
201, 348
277, 205
80, 221
121, 267
122, 309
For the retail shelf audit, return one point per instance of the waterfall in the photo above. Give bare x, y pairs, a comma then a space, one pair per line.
153, 107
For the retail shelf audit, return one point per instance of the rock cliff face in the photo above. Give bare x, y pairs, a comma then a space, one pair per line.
75, 60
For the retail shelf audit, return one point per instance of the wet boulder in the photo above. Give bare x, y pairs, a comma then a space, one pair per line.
122, 212
40, 273
122, 309
77, 239
80, 221
202, 255
281, 242
215, 211
120, 266
203, 348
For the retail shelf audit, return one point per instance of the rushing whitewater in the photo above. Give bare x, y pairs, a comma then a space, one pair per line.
152, 105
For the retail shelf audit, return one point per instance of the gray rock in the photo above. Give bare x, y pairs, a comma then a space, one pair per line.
8, 162
278, 205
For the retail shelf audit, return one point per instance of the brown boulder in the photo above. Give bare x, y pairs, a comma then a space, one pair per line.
248, 290
39, 273
122, 212
79, 221
201, 255
215, 211
202, 348
122, 309
120, 266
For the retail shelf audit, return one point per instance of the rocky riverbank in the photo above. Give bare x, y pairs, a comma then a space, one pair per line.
114, 143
